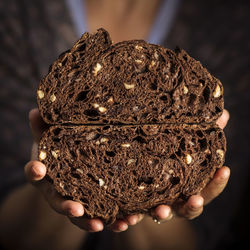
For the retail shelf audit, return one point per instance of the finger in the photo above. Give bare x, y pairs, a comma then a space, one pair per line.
118, 226
216, 185
141, 217
90, 225
35, 172
133, 219
59, 204
192, 208
37, 124
162, 213
223, 119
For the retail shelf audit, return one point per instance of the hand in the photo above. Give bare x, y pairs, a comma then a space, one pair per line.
35, 172
194, 205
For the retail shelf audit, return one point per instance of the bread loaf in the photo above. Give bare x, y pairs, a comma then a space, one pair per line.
131, 82
132, 126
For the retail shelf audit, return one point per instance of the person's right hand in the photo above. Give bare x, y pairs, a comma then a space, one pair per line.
35, 172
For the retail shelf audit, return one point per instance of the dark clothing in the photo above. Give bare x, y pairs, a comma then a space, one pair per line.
216, 32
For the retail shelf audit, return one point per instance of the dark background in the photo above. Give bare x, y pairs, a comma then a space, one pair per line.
34, 33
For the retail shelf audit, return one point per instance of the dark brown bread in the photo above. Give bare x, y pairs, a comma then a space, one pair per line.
133, 126
119, 170
130, 82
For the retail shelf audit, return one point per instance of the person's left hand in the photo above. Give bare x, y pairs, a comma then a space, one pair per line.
194, 205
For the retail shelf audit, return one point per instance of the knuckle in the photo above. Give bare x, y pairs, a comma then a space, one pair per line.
192, 213
218, 188
220, 183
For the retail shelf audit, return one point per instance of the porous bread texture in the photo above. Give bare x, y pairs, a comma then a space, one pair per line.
118, 170
132, 126
131, 82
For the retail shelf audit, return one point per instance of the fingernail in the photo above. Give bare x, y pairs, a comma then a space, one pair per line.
196, 206
37, 171
124, 228
170, 216
132, 220
166, 213
226, 174
140, 217
135, 220
76, 212
99, 227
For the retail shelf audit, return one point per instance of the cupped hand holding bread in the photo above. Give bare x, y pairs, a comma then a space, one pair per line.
132, 130
36, 171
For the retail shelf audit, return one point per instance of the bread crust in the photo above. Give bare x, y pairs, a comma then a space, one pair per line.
133, 125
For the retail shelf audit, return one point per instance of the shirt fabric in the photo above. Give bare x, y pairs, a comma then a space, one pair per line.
160, 28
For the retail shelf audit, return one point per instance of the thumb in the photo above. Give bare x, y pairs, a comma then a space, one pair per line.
37, 124
222, 121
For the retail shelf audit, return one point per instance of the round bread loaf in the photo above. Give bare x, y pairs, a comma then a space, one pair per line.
132, 126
